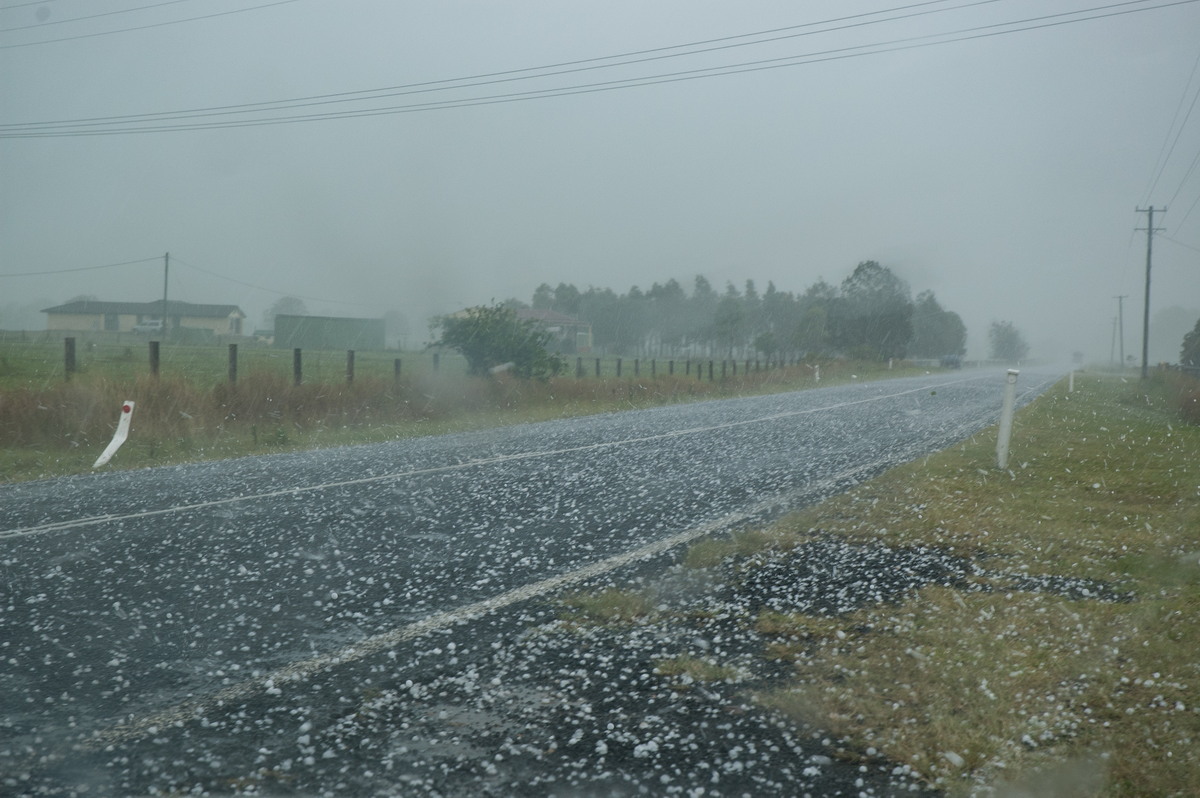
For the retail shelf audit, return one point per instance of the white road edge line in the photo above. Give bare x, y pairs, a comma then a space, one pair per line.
297, 671
60, 526
193, 709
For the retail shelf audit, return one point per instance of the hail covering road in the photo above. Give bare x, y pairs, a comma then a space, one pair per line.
142, 600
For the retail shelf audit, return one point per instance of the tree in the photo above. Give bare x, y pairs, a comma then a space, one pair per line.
936, 332
1006, 341
543, 297
566, 299
286, 306
1189, 355
767, 344
492, 337
874, 317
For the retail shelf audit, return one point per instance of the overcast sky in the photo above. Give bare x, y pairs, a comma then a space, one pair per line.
1000, 171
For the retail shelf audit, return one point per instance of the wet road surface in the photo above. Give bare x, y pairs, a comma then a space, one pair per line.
278, 625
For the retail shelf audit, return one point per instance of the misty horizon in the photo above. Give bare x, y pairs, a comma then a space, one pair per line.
992, 153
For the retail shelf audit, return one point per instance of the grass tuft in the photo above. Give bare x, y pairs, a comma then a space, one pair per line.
607, 606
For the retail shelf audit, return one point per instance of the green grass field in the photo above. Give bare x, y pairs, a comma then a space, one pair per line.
1004, 688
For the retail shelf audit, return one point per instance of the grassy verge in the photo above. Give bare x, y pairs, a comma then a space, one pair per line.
52, 427
1014, 685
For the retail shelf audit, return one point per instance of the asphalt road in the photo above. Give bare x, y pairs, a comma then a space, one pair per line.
157, 627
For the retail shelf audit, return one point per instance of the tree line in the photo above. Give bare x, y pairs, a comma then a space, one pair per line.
871, 315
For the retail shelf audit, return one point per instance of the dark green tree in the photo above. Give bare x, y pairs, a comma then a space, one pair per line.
543, 297
1189, 355
566, 299
874, 317
729, 325
936, 332
493, 337
1006, 341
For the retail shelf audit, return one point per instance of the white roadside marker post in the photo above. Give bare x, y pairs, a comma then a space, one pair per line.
119, 436
1006, 419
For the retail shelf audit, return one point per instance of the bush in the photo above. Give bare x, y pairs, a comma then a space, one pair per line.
494, 339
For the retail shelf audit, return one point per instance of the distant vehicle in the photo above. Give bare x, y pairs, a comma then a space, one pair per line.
951, 362
148, 326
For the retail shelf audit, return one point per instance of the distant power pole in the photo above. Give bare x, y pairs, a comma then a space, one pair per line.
1121, 325
1150, 229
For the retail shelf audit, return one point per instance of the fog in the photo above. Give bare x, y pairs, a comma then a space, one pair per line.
1002, 170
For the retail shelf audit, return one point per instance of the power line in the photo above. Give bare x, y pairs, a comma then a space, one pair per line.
48, 23
1185, 216
547, 70
214, 15
160, 122
79, 269
27, 5
1161, 161
220, 276
1188, 173
1180, 243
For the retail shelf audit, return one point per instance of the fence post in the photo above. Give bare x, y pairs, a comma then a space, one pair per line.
396, 369
710, 371
723, 367
653, 369
1006, 419
349, 366
618, 367
233, 363
297, 369
597, 367
437, 361
69, 356
579, 368
637, 367
154, 360
671, 368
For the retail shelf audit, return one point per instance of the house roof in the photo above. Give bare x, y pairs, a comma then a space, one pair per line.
174, 308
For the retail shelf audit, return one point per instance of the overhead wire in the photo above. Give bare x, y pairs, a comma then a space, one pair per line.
150, 26
554, 69
1188, 213
78, 269
1179, 243
1160, 163
27, 5
101, 15
275, 291
103, 126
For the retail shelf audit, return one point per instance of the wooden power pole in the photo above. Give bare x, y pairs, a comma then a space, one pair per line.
1150, 229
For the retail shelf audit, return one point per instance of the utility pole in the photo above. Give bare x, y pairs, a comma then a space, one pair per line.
1121, 326
1149, 228
166, 271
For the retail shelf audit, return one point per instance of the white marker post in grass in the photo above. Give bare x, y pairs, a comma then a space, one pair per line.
119, 437
1006, 419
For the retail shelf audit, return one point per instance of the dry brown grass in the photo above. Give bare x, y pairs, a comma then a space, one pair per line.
53, 427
